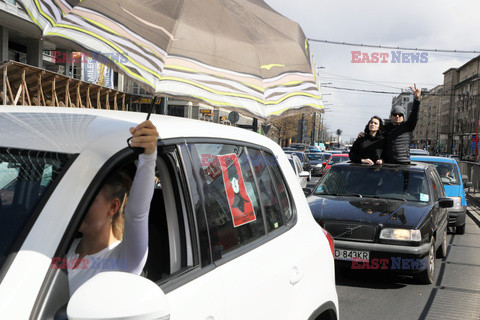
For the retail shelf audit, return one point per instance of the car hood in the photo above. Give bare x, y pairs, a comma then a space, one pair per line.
455, 191
389, 213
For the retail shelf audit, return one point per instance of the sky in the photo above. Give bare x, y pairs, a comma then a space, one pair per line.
426, 24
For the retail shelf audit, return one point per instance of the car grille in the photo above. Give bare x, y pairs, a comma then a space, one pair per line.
452, 220
351, 231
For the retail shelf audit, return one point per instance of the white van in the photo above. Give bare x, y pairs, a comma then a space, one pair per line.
203, 263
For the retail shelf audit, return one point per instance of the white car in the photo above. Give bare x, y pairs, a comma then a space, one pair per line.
206, 261
302, 176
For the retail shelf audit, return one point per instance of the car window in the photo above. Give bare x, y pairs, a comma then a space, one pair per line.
315, 156
448, 172
292, 163
334, 160
234, 213
269, 195
299, 155
374, 182
299, 165
280, 186
438, 190
25, 177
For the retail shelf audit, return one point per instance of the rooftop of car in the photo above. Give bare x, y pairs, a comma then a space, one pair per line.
71, 130
432, 158
416, 166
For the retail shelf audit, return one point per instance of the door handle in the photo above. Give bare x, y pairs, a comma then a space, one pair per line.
295, 276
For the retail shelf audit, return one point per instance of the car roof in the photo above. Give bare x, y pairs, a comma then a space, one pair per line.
415, 166
432, 159
339, 155
71, 130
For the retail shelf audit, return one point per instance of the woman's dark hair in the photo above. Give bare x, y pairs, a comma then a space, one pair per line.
380, 127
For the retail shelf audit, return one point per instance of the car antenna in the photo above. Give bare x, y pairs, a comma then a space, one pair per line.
139, 150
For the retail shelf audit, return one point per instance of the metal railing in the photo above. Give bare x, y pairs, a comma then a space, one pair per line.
472, 171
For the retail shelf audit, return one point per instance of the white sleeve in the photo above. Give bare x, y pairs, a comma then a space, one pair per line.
134, 246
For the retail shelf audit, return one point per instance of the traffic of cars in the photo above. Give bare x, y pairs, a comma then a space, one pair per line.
389, 217
228, 221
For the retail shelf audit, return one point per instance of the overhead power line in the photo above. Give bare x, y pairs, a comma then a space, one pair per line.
393, 92
389, 47
360, 90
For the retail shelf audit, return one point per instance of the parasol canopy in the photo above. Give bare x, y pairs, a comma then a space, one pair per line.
237, 54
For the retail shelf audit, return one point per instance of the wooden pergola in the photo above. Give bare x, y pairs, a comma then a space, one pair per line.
23, 84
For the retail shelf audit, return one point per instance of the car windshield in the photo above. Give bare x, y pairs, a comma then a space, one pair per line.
334, 160
299, 155
448, 172
25, 177
315, 156
378, 182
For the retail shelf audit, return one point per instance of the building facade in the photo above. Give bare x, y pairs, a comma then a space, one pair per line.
461, 110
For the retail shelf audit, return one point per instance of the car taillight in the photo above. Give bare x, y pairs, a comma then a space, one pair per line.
330, 240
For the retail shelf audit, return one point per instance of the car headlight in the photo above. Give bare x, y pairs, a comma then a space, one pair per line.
319, 165
401, 234
457, 202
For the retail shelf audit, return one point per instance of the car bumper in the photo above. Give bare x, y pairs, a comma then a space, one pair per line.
395, 258
456, 217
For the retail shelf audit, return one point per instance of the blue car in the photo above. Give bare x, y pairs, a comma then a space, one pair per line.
454, 188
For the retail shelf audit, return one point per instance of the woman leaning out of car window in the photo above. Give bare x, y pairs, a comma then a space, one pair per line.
114, 231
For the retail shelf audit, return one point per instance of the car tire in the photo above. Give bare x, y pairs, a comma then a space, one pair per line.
442, 250
460, 229
426, 276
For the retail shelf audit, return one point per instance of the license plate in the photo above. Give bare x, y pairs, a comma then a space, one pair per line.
349, 255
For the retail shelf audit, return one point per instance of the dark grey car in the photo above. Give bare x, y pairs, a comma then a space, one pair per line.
384, 217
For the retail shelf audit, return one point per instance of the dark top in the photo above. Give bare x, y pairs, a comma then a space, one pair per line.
367, 147
398, 138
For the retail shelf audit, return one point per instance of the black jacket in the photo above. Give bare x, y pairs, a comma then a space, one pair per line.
367, 147
398, 138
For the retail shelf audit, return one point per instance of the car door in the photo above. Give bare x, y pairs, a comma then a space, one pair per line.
194, 287
440, 214
254, 269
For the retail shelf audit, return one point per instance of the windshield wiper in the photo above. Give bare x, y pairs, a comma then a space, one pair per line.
341, 194
391, 198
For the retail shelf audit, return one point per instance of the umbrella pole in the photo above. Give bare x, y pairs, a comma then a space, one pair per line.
139, 150
151, 107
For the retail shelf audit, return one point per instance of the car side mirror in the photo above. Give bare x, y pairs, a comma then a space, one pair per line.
118, 295
304, 174
307, 191
445, 202
467, 184
324, 163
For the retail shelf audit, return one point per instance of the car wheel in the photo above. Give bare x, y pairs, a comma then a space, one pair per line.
460, 229
426, 276
442, 250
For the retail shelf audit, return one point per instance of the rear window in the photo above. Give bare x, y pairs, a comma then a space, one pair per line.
334, 160
448, 172
25, 177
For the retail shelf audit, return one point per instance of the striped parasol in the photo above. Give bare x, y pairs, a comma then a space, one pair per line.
237, 54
